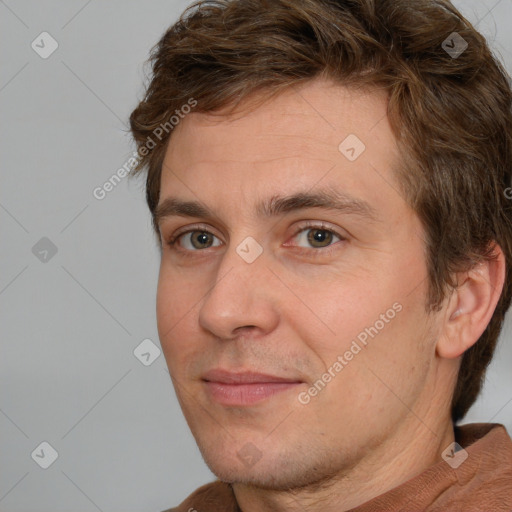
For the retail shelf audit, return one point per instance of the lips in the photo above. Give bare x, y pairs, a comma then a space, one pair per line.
227, 377
245, 388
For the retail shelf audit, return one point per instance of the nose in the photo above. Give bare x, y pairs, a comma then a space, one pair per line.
242, 300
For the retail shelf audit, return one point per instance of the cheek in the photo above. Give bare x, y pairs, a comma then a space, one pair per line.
176, 295
333, 309
376, 322
165, 306
175, 309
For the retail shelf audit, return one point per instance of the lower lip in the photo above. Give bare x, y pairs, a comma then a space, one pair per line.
246, 394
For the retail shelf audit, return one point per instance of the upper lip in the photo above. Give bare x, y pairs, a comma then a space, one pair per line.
246, 377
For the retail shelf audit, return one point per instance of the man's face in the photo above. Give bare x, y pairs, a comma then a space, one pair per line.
306, 295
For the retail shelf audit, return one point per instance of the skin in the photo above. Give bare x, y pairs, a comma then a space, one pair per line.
385, 416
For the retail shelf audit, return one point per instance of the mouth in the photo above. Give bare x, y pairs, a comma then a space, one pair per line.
245, 388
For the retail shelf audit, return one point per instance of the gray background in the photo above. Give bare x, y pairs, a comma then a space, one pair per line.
70, 324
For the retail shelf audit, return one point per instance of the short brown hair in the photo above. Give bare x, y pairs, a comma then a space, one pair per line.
451, 114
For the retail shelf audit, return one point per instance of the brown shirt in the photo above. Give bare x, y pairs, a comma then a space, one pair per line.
483, 482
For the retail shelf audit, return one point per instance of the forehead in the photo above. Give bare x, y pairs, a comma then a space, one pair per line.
320, 111
301, 138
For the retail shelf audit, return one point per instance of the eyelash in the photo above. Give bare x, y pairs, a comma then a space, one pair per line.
322, 251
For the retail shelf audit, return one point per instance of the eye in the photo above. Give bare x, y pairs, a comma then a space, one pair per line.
317, 236
194, 239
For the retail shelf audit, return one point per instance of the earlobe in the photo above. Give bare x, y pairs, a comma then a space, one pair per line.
471, 306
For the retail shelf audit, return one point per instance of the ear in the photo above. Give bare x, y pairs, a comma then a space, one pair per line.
471, 305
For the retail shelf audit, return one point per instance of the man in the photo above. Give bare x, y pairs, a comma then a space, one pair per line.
327, 181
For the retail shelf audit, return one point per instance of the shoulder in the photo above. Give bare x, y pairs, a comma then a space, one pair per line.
484, 477
474, 479
216, 496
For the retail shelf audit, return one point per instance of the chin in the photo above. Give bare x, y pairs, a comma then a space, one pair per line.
278, 471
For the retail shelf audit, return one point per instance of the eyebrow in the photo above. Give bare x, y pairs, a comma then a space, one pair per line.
274, 206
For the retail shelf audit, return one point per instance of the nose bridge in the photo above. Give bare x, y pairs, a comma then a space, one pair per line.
241, 295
